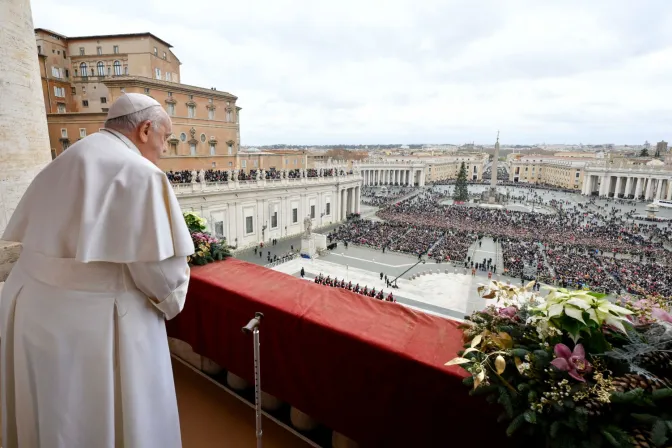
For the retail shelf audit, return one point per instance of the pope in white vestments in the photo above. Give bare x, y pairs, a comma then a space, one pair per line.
85, 360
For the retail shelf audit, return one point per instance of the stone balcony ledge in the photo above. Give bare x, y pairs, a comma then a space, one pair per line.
9, 253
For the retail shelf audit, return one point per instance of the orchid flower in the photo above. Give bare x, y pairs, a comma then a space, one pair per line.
573, 363
661, 314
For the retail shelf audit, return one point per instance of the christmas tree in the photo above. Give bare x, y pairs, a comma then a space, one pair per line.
461, 193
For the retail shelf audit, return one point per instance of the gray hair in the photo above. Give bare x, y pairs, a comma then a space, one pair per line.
128, 123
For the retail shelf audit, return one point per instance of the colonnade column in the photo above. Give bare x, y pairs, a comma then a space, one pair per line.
649, 188
628, 187
659, 189
617, 191
668, 196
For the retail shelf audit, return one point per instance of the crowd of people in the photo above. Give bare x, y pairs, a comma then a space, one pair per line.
579, 245
365, 291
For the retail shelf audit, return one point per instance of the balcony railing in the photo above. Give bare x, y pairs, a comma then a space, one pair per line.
371, 371
213, 187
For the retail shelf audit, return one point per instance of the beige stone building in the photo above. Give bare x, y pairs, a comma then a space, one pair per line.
82, 76
560, 171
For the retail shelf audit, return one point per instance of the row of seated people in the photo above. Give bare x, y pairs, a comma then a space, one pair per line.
365, 291
186, 176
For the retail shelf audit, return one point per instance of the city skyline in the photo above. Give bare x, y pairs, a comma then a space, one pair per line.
314, 74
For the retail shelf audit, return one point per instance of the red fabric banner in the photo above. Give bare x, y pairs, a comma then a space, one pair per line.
370, 369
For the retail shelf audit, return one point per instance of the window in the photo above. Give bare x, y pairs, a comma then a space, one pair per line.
85, 103
211, 114
191, 111
212, 149
73, 90
192, 149
81, 51
125, 69
244, 163
123, 90
117, 68
312, 212
183, 137
61, 108
230, 149
157, 73
274, 220
295, 215
191, 97
219, 229
228, 116
249, 224
146, 90
59, 92
82, 132
83, 89
103, 100
328, 209
203, 137
156, 51
55, 72
230, 163
66, 145
101, 68
64, 133
83, 69
67, 73
577, 175
64, 56
164, 55
39, 49
168, 76
115, 49
171, 110
99, 50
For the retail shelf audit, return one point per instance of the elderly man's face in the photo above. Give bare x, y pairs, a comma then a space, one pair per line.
153, 139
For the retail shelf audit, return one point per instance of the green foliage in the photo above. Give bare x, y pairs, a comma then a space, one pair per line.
510, 358
461, 192
194, 222
644, 152
207, 248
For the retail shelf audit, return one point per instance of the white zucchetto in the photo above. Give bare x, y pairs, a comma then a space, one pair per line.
130, 103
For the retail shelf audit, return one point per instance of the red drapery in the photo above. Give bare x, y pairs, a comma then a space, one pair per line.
369, 369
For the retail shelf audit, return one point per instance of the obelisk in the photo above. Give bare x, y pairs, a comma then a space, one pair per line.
492, 197
24, 140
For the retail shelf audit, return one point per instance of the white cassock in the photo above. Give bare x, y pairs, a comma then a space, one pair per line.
85, 360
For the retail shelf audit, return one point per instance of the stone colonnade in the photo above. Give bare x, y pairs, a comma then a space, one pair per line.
349, 201
624, 185
392, 176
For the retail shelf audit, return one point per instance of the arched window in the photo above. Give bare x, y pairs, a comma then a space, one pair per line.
101, 69
117, 68
83, 69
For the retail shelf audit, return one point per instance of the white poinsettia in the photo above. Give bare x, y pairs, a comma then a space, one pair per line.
581, 304
505, 294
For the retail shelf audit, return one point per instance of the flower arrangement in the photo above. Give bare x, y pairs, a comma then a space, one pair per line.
573, 369
207, 247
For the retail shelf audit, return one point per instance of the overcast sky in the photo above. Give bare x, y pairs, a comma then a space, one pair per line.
416, 71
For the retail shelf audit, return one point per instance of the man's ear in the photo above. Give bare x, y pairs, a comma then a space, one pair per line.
143, 131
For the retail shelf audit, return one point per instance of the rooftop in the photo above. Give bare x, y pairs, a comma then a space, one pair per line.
105, 36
